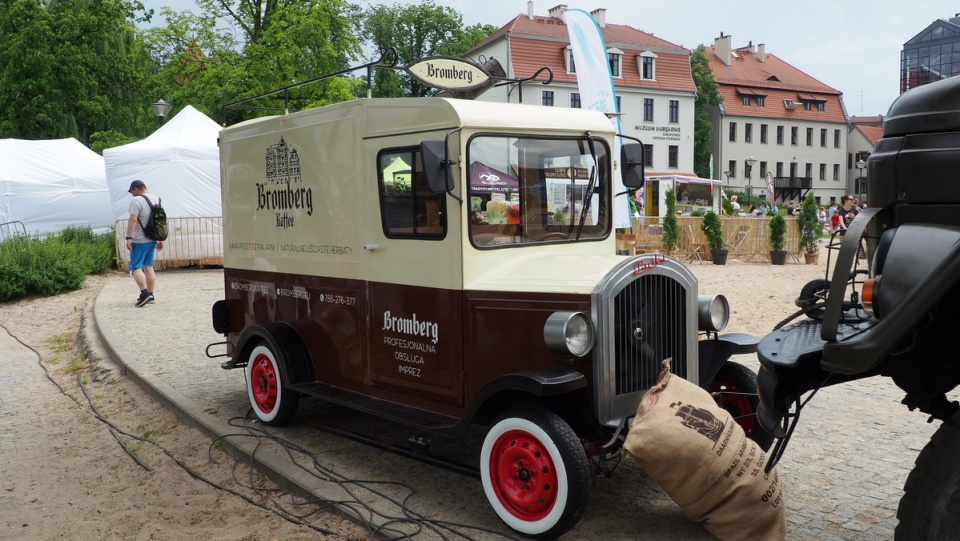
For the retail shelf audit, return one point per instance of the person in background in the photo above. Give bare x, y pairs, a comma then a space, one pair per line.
736, 206
846, 207
141, 248
634, 205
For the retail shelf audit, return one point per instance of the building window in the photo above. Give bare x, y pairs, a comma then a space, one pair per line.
763, 169
732, 168
763, 134
823, 137
807, 106
614, 59
779, 135
761, 101
836, 171
808, 170
733, 132
546, 98
821, 106
779, 169
618, 104
648, 109
809, 137
646, 68
575, 100
745, 100
823, 171
794, 134
571, 67
648, 155
836, 138
748, 133
674, 153
674, 111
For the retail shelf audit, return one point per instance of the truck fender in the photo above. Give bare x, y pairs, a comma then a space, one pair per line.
286, 344
562, 390
715, 351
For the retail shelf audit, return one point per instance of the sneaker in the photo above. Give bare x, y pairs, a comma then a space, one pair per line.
144, 299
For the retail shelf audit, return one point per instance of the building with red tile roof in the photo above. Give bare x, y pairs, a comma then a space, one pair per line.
781, 120
654, 85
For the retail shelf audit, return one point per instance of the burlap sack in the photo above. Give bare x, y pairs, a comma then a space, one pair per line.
703, 460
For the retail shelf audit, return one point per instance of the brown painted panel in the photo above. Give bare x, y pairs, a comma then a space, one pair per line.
416, 340
504, 334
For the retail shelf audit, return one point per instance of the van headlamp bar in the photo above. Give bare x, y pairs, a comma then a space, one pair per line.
569, 333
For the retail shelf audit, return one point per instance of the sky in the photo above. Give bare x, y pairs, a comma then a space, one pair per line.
850, 45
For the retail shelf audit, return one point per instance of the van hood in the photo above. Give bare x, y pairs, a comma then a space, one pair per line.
549, 273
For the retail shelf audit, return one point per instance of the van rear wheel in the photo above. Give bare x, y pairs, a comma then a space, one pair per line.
535, 472
271, 400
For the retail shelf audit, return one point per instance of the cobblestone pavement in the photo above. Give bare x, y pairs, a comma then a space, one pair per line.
843, 472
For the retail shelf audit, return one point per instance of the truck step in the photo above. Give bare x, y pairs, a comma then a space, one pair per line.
386, 409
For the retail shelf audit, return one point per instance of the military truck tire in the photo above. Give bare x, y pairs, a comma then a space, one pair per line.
271, 400
737, 386
930, 507
535, 472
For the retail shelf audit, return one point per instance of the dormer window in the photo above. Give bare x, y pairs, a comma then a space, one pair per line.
646, 63
568, 60
615, 58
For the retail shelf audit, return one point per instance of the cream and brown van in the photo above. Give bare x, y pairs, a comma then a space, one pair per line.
446, 263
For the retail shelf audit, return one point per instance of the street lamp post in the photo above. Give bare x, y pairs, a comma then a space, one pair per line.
860, 165
161, 108
750, 161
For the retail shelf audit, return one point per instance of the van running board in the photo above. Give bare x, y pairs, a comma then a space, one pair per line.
419, 451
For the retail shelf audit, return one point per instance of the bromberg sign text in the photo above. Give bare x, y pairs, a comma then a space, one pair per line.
448, 73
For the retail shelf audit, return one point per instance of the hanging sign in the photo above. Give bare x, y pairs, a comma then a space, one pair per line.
447, 73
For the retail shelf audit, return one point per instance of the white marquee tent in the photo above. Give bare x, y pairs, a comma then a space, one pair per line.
180, 162
53, 184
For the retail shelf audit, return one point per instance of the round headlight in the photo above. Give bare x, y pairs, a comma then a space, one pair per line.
713, 312
569, 333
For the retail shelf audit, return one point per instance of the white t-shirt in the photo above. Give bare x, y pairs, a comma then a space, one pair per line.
139, 207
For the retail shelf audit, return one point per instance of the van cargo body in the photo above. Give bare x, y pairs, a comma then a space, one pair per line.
500, 301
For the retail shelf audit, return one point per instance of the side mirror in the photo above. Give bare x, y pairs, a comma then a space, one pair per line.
631, 165
436, 166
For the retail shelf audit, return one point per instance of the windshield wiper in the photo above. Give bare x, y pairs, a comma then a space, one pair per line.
591, 185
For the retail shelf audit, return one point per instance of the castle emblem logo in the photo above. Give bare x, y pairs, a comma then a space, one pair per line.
282, 191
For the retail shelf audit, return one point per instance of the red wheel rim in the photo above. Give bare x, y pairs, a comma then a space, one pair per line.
523, 475
263, 381
736, 401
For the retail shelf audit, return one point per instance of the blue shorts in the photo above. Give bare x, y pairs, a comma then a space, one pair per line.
141, 255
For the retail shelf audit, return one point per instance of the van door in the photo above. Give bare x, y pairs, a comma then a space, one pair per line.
414, 275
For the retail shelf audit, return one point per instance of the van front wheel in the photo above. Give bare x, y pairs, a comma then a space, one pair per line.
272, 402
535, 472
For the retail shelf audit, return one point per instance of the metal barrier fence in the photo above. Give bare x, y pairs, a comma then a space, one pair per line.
193, 241
746, 237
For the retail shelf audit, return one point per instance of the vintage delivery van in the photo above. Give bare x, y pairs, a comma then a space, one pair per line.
446, 263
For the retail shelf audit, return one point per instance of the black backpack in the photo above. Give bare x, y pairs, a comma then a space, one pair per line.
156, 227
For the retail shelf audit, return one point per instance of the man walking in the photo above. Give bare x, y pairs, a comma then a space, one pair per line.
141, 248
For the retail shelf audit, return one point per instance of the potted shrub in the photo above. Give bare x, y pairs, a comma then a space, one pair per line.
713, 229
671, 228
778, 239
810, 229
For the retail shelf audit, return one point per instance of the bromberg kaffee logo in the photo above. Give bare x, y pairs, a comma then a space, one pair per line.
282, 192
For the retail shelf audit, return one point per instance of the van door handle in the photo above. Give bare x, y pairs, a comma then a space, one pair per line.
371, 247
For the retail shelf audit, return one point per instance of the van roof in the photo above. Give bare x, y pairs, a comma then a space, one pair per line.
449, 113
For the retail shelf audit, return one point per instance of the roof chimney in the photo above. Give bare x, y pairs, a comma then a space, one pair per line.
557, 11
530, 9
600, 15
762, 53
721, 48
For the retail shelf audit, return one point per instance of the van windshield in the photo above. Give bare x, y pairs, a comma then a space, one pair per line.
527, 190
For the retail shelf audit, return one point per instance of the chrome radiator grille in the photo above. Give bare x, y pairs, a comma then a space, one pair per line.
650, 316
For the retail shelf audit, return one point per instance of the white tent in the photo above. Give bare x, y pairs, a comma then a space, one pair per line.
180, 162
53, 184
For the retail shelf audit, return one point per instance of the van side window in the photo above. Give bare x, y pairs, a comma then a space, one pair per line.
407, 208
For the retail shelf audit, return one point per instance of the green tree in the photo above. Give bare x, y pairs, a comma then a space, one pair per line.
708, 94
70, 69
671, 228
416, 31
